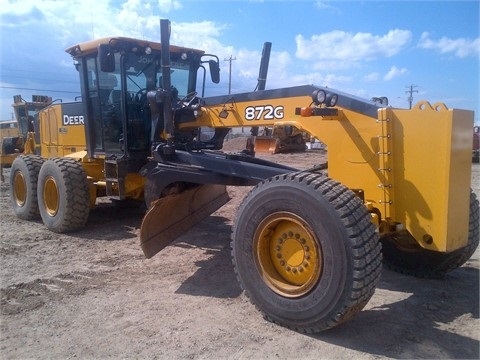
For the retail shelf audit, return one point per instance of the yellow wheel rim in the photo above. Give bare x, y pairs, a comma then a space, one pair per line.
287, 254
19, 188
50, 196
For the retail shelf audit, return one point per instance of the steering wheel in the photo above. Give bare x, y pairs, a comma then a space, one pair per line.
142, 93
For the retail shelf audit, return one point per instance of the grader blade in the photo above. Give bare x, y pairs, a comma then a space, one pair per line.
173, 215
266, 144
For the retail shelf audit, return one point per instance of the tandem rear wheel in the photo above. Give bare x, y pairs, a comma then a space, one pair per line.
63, 195
305, 251
23, 186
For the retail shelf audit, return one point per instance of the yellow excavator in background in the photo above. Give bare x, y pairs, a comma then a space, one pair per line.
307, 246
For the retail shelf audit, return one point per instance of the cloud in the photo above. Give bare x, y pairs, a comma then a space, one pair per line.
206, 36
348, 47
372, 76
134, 18
460, 47
325, 5
168, 5
245, 68
394, 72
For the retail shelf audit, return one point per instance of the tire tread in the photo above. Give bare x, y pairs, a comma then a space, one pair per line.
363, 242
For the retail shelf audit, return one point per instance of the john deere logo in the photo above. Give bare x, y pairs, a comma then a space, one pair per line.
73, 120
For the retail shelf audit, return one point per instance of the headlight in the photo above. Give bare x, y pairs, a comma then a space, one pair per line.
319, 96
331, 100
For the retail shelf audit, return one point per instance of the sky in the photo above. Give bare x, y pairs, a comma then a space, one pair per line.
365, 48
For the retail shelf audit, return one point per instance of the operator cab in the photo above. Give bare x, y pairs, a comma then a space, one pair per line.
116, 75
25, 111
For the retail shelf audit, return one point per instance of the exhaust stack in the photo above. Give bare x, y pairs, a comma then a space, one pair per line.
166, 85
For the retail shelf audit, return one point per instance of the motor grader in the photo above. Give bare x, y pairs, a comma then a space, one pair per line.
306, 245
281, 139
14, 139
43, 128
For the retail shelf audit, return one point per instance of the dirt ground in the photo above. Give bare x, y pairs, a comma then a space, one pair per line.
93, 295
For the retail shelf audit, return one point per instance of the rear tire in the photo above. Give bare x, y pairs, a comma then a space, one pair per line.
419, 262
63, 195
305, 251
23, 186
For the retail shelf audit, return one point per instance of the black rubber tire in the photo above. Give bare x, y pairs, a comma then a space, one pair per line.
341, 227
8, 145
63, 195
417, 261
23, 186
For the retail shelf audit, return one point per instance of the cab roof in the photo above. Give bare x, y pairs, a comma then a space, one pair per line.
91, 47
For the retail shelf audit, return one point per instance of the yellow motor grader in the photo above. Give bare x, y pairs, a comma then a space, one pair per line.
56, 131
281, 139
307, 245
14, 137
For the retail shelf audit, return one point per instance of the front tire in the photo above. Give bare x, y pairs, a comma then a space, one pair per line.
305, 251
23, 186
63, 195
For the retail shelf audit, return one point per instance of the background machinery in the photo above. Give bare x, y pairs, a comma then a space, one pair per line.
306, 245
281, 139
8, 128
43, 129
13, 136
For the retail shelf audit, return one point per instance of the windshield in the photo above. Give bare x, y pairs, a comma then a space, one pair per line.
25, 114
144, 73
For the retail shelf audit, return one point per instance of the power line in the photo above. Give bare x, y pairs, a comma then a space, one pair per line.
31, 89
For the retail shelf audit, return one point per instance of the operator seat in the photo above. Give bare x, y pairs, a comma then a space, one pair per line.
107, 83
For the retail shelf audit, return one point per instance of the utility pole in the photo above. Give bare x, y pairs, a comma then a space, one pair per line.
410, 92
230, 74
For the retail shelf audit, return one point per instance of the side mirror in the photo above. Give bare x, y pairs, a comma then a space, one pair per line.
214, 71
106, 58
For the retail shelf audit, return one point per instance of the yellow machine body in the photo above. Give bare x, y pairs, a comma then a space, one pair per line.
305, 244
411, 167
430, 173
8, 128
61, 133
